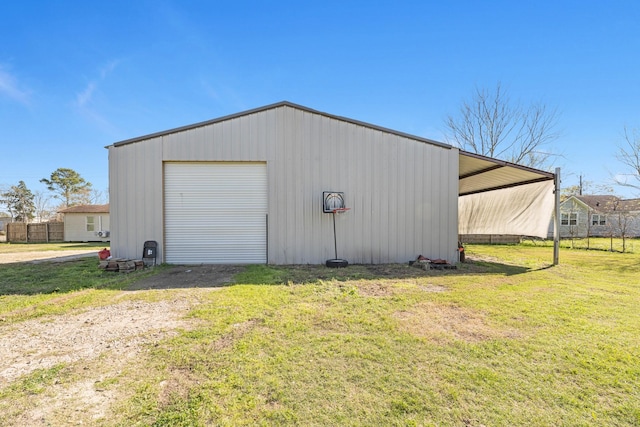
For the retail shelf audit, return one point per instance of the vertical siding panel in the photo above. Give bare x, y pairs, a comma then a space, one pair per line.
400, 236
313, 223
454, 167
427, 212
363, 194
417, 207
292, 197
297, 193
273, 184
319, 185
434, 189
449, 234
408, 182
350, 229
281, 232
357, 178
382, 199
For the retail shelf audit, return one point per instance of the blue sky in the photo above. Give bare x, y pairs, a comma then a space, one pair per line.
77, 76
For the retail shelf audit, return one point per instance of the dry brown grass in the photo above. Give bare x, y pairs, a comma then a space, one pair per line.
446, 323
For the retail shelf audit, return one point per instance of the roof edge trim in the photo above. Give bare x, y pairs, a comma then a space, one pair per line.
548, 175
272, 106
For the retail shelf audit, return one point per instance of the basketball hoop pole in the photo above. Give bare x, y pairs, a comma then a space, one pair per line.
335, 241
333, 209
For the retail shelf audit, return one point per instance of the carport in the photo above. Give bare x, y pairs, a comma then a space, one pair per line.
498, 197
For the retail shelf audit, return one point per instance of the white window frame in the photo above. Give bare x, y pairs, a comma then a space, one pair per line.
598, 219
569, 218
90, 223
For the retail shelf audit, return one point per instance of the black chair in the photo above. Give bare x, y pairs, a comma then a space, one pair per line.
150, 251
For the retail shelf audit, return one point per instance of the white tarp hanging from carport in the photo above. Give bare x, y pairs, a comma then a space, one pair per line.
524, 210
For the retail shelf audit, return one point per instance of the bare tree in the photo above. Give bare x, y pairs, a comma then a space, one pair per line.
42, 204
629, 155
492, 125
99, 197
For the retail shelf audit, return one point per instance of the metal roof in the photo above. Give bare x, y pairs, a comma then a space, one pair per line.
270, 107
607, 203
477, 173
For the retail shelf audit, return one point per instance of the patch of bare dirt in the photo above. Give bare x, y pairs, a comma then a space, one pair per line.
190, 276
374, 289
98, 343
120, 329
445, 323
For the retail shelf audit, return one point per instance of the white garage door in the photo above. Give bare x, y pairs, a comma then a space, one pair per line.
215, 213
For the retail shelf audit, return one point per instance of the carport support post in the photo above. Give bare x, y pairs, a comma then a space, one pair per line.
556, 228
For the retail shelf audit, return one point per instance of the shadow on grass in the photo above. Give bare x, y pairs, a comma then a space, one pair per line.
300, 274
63, 277
46, 277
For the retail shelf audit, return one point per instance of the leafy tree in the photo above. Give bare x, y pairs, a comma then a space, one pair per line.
19, 202
492, 125
629, 155
69, 186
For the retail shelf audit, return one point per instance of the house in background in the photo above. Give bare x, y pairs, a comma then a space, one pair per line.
599, 216
4, 219
86, 223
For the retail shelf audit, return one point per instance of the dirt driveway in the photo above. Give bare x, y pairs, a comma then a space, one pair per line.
95, 344
42, 256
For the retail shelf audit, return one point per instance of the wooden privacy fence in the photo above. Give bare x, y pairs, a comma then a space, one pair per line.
35, 233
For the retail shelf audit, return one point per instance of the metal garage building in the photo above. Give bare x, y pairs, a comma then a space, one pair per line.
248, 188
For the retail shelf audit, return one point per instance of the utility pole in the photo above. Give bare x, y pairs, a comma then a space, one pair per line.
556, 234
580, 191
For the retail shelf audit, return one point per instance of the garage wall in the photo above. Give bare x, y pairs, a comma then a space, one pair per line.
135, 197
402, 192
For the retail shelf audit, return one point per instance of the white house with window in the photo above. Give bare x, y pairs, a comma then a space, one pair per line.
599, 216
86, 223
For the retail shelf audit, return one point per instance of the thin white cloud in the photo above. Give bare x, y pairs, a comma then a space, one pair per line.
9, 87
88, 102
107, 69
83, 98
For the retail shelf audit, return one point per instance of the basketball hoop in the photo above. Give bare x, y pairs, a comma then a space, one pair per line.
333, 203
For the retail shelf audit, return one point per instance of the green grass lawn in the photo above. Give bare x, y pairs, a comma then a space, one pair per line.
505, 340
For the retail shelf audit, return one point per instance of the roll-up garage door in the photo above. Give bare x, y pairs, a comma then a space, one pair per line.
215, 213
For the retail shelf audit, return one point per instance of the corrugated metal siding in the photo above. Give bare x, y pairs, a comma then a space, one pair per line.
403, 192
135, 197
215, 213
